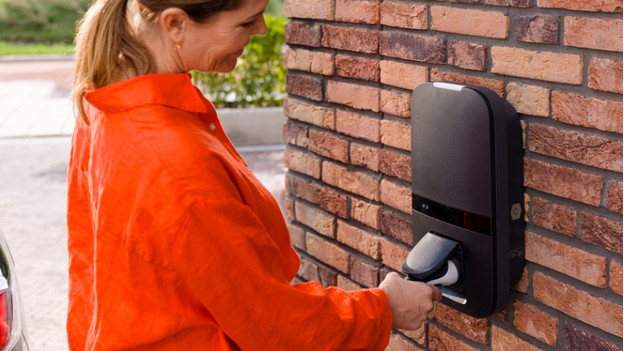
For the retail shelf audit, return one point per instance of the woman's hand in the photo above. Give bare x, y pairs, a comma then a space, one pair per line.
409, 301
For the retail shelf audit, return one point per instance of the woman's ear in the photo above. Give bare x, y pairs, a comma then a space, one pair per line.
172, 21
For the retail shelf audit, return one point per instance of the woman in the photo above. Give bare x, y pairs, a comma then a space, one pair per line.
173, 244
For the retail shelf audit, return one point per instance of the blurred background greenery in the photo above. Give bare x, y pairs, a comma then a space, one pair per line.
53, 22
38, 27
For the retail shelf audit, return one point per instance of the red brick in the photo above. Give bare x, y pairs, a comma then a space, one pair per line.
529, 99
467, 55
522, 285
399, 343
366, 213
605, 75
309, 113
351, 39
396, 195
587, 112
564, 182
577, 147
364, 274
397, 226
358, 125
327, 252
553, 216
579, 304
302, 33
418, 335
412, 47
579, 339
347, 284
328, 276
523, 125
302, 162
615, 277
514, 3
532, 321
546, 66
329, 145
489, 24
297, 236
475, 329
402, 75
393, 255
542, 29
309, 87
614, 197
395, 164
502, 340
583, 5
411, 16
601, 231
500, 316
396, 134
289, 206
357, 96
443, 341
357, 11
365, 156
318, 9
318, 194
396, 102
359, 183
576, 263
309, 61
297, 280
295, 134
593, 33
308, 271
496, 85
315, 218
357, 68
363, 241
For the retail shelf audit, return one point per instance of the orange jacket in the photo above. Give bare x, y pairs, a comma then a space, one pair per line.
175, 245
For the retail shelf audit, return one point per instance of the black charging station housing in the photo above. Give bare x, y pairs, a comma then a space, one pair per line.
467, 182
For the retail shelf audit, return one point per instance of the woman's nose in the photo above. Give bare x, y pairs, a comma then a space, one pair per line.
262, 27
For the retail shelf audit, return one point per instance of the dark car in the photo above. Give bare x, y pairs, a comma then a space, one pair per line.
13, 335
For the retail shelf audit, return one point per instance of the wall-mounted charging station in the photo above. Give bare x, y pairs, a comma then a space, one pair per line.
467, 200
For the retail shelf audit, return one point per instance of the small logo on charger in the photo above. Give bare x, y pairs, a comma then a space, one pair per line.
516, 211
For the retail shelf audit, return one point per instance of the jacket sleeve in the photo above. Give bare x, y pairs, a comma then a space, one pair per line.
232, 266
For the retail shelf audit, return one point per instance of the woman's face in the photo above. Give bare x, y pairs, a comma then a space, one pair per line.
214, 46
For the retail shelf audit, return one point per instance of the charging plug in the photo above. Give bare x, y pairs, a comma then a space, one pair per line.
449, 278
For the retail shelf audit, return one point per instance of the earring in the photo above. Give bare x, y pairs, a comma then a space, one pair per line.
176, 47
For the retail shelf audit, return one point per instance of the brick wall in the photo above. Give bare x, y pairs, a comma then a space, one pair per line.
352, 66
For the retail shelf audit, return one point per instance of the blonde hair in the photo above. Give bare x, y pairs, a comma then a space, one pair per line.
107, 45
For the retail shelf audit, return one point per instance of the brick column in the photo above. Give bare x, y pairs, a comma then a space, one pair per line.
352, 66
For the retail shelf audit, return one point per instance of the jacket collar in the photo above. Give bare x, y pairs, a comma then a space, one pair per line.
174, 90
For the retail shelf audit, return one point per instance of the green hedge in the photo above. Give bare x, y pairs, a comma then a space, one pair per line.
40, 21
259, 77
54, 21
